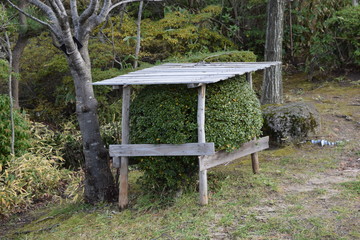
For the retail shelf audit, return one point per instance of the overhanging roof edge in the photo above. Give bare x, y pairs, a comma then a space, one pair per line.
186, 73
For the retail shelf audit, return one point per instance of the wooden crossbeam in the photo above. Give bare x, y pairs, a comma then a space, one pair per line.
223, 157
187, 149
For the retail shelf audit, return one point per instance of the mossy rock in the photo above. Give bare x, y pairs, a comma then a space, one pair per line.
290, 122
167, 114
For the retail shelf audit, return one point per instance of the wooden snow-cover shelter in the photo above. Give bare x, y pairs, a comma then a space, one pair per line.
194, 75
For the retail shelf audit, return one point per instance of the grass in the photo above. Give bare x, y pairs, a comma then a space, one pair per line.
282, 202
241, 206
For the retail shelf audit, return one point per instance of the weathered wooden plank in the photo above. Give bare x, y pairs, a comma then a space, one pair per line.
223, 157
187, 149
186, 73
125, 136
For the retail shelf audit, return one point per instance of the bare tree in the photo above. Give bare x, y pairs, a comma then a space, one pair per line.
272, 91
71, 31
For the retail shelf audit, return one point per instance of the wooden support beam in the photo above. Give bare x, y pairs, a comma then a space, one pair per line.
223, 157
115, 161
254, 156
125, 133
187, 149
203, 187
249, 79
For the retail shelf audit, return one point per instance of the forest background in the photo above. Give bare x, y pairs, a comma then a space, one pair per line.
321, 38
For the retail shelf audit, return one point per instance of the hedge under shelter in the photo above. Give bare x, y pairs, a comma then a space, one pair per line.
194, 75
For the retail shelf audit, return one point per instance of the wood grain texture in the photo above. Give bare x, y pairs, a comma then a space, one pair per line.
125, 133
186, 73
187, 149
223, 157
203, 186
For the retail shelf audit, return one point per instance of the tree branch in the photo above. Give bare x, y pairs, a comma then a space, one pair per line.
74, 14
51, 27
46, 9
104, 11
89, 11
128, 1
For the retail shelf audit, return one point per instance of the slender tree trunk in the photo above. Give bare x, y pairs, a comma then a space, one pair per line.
355, 3
272, 91
18, 50
99, 181
17, 53
12, 141
138, 36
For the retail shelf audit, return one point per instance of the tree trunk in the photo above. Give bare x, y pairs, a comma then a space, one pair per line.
355, 3
138, 35
272, 91
99, 181
17, 53
10, 55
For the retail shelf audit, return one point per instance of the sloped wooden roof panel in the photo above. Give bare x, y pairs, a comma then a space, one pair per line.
186, 73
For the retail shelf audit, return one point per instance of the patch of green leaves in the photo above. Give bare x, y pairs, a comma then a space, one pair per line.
167, 114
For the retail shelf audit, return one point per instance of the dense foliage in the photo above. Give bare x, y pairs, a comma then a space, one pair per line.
36, 175
22, 134
307, 37
179, 32
167, 114
342, 42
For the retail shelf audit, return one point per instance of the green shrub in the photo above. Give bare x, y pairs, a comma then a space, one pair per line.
179, 32
22, 136
167, 114
345, 28
222, 56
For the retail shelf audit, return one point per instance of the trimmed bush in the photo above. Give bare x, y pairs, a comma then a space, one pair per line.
167, 114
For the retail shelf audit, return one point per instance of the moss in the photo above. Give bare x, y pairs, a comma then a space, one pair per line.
290, 122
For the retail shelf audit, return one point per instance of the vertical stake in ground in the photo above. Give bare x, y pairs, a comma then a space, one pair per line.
125, 130
254, 156
203, 189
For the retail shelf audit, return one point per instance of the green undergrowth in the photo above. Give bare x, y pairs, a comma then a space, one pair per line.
241, 206
279, 203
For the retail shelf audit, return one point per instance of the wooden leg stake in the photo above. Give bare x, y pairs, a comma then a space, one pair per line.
125, 131
203, 189
124, 185
255, 162
203, 186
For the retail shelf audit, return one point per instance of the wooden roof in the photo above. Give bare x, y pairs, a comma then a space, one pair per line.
186, 73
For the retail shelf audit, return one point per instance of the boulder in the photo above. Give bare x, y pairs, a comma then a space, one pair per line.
290, 122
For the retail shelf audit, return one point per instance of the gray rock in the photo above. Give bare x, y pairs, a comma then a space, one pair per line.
290, 122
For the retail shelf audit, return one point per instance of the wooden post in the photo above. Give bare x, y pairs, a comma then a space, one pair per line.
254, 156
203, 190
125, 130
249, 79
